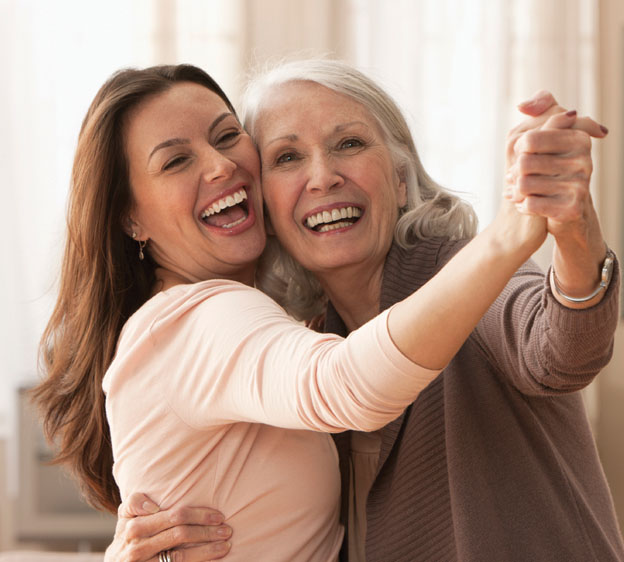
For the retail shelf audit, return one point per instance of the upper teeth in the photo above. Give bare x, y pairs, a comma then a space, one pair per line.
333, 215
228, 201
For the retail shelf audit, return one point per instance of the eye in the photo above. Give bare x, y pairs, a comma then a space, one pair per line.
175, 162
351, 143
228, 138
286, 157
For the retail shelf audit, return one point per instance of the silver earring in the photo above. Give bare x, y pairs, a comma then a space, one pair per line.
142, 244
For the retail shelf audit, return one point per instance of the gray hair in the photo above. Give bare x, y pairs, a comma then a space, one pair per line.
431, 210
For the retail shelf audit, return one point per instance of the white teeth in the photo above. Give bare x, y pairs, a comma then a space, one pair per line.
228, 201
332, 216
335, 226
235, 223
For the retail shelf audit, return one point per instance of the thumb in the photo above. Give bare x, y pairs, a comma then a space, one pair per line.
538, 104
137, 504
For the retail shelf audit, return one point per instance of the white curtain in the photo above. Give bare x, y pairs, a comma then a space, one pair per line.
55, 55
457, 67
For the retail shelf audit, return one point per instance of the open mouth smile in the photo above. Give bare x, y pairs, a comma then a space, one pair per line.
227, 212
333, 219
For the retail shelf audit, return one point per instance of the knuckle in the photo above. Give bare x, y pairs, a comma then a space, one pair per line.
134, 554
523, 185
178, 534
179, 516
530, 141
524, 162
132, 529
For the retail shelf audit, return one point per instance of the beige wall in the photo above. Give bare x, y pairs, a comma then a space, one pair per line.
610, 427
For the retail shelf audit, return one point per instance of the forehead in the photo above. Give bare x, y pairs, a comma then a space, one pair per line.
180, 109
296, 107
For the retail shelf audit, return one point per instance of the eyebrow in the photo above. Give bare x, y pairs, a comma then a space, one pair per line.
337, 129
176, 141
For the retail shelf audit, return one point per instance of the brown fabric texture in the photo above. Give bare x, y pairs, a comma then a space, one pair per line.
495, 460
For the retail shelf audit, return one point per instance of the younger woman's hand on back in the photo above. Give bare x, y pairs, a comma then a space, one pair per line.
191, 534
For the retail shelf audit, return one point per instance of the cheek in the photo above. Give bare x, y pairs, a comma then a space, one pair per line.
276, 197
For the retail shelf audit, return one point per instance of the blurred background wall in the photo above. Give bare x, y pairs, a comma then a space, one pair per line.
457, 68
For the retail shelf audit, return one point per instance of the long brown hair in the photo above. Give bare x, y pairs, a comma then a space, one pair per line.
102, 281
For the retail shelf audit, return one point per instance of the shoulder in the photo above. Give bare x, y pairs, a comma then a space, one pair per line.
217, 300
409, 268
427, 256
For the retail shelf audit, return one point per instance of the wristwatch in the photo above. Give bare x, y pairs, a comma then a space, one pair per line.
605, 278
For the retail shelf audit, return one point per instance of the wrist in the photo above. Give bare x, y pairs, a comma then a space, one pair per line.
585, 298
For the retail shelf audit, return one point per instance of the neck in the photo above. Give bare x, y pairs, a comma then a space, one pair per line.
167, 278
355, 294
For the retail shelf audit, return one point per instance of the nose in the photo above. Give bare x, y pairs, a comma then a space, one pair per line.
323, 175
218, 167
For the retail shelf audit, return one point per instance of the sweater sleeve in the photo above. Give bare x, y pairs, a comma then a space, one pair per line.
227, 353
541, 346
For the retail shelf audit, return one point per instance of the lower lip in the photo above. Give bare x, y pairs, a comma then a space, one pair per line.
245, 225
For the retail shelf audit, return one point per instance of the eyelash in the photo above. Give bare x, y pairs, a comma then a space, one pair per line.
174, 162
229, 139
230, 136
358, 143
281, 158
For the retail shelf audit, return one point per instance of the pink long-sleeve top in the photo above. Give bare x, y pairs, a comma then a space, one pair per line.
216, 397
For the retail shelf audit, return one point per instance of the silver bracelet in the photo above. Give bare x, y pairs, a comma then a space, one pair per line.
605, 278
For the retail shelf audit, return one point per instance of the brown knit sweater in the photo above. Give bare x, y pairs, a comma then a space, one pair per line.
495, 460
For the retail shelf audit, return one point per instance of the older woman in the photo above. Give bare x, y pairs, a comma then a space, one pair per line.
495, 459
211, 388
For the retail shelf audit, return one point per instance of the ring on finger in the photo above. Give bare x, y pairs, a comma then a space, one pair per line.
164, 556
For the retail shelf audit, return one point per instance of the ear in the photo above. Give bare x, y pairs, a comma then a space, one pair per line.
131, 228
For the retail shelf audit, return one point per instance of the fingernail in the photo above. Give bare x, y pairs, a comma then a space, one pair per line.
604, 129
225, 546
224, 531
215, 519
150, 507
571, 113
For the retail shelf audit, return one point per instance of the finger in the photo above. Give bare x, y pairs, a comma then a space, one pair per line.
178, 539
137, 504
150, 525
553, 141
569, 119
560, 209
538, 103
202, 553
547, 186
561, 167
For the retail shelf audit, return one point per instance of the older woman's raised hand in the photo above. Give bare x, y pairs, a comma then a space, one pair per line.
549, 166
194, 534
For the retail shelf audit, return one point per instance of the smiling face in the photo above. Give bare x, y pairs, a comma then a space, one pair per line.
329, 183
194, 175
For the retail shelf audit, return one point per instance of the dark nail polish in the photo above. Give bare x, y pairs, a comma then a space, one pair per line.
604, 129
571, 113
